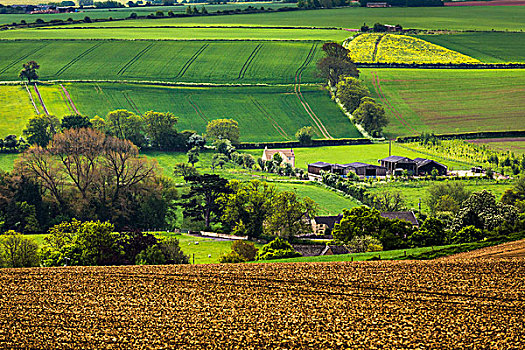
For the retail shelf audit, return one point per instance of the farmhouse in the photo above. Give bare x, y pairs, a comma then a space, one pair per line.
425, 167
287, 155
402, 215
377, 4
322, 225
317, 167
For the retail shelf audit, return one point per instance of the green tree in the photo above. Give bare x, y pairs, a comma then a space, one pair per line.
350, 91
219, 160
184, 169
160, 127
336, 64
432, 232
29, 71
223, 129
248, 160
245, 249
371, 116
98, 244
516, 195
172, 253
446, 196
247, 206
126, 126
279, 248
358, 221
40, 129
18, 251
75, 121
468, 234
290, 215
201, 200
193, 156
152, 255
483, 212
304, 135
224, 146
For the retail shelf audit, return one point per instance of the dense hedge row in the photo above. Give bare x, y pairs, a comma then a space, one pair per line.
315, 143
407, 3
443, 65
467, 135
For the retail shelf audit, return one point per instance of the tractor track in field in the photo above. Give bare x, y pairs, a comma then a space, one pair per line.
135, 59
131, 102
297, 89
64, 98
249, 61
376, 47
76, 59
191, 60
199, 112
20, 59
266, 114
41, 100
377, 86
69, 99
99, 90
31, 98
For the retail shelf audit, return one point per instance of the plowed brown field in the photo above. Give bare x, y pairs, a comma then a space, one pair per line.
460, 304
514, 249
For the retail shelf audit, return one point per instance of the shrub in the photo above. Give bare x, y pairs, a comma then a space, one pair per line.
18, 251
150, 256
172, 253
232, 258
246, 250
277, 249
362, 244
468, 234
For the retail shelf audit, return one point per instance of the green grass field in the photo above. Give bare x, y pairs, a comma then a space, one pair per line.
453, 18
186, 61
448, 101
264, 113
384, 255
486, 47
175, 33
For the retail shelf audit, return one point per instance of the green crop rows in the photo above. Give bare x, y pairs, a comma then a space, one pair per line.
187, 61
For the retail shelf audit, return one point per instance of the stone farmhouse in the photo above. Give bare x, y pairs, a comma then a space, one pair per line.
287, 155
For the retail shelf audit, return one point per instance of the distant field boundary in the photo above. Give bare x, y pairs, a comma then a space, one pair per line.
218, 40
468, 135
154, 83
315, 143
195, 27
444, 65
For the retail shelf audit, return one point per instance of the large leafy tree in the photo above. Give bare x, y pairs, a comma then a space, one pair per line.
358, 221
126, 126
336, 64
350, 91
446, 196
40, 129
223, 129
371, 116
290, 215
75, 121
160, 128
201, 201
29, 71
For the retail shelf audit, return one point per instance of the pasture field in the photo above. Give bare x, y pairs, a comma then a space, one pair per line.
253, 62
448, 101
264, 113
499, 18
413, 191
514, 145
176, 33
393, 48
486, 47
405, 304
118, 13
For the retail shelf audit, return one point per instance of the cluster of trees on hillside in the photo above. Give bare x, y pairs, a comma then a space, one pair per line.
323, 4
407, 3
342, 76
153, 130
89, 243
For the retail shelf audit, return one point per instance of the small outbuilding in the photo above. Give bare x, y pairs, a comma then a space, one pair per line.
395, 164
425, 167
335, 250
317, 167
363, 169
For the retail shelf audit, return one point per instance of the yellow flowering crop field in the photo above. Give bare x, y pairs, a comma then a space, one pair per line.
393, 48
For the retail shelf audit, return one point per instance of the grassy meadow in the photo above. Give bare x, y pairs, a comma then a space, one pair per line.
499, 18
448, 101
514, 145
487, 47
186, 61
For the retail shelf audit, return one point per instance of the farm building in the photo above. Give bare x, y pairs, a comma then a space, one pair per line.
402, 215
361, 169
335, 250
395, 164
325, 224
425, 167
317, 167
287, 155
